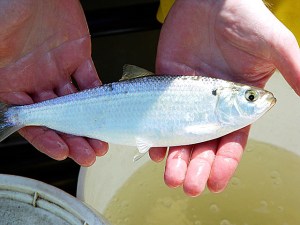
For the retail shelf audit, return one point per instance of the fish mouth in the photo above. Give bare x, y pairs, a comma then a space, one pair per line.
273, 102
271, 99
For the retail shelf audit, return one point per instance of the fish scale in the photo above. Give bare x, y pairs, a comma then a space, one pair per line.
146, 111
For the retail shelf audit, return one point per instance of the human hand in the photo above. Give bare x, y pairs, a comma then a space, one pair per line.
240, 41
43, 45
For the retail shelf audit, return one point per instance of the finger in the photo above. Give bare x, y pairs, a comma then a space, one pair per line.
227, 158
86, 75
157, 154
199, 168
79, 150
100, 147
65, 88
44, 95
46, 141
15, 98
176, 165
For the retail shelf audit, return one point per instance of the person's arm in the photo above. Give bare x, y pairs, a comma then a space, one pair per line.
240, 41
43, 46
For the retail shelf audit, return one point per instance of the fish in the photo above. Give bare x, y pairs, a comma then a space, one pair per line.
146, 110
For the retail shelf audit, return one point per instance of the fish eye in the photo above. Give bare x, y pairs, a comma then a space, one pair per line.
251, 95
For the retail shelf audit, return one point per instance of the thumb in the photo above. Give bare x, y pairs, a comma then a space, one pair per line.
286, 57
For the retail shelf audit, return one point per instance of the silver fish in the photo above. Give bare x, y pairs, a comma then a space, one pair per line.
146, 111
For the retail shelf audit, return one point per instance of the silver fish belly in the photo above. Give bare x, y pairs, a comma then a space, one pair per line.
150, 111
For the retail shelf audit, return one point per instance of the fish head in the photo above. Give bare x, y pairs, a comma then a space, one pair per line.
241, 105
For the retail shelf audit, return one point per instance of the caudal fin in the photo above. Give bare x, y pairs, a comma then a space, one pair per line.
6, 127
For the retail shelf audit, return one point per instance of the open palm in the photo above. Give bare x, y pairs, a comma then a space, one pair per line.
43, 46
238, 41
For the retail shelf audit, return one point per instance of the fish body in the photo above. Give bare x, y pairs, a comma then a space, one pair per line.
146, 111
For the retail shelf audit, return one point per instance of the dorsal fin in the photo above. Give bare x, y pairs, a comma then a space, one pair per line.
131, 72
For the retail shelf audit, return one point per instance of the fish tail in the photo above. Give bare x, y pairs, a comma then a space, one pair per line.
6, 127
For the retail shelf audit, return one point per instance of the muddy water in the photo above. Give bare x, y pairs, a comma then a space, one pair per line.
265, 190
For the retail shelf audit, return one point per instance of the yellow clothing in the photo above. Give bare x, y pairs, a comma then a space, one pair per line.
163, 9
287, 11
